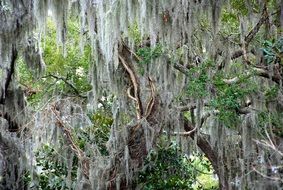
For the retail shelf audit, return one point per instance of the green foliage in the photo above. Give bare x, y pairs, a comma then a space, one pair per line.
67, 75
75, 64
198, 80
240, 6
52, 172
197, 86
229, 97
205, 179
102, 122
134, 34
227, 105
147, 54
273, 51
243, 7
230, 22
273, 120
168, 168
97, 133
271, 93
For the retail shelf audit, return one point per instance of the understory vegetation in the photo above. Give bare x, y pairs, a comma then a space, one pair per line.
144, 94
166, 167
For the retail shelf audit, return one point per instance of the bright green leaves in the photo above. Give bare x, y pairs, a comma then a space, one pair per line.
97, 133
135, 34
198, 80
228, 95
74, 66
230, 22
240, 6
67, 75
243, 7
205, 179
273, 51
198, 85
227, 103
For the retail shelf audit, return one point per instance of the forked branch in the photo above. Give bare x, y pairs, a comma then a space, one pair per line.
136, 88
133, 92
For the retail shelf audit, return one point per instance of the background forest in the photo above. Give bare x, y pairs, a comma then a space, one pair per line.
148, 94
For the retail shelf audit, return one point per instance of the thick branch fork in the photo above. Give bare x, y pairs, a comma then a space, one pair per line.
140, 114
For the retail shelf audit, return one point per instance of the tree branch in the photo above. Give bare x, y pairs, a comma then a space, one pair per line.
10, 71
67, 134
207, 149
264, 16
136, 88
195, 128
72, 86
264, 73
181, 68
151, 101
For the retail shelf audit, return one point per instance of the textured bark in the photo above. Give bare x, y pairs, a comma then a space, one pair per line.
11, 171
173, 24
12, 99
136, 140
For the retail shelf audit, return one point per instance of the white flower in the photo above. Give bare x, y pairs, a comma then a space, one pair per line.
274, 169
80, 71
103, 98
58, 82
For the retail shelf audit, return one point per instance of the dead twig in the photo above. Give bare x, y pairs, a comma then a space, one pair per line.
268, 145
265, 176
71, 85
264, 16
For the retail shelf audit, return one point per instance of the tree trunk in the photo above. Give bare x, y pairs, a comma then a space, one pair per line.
211, 154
